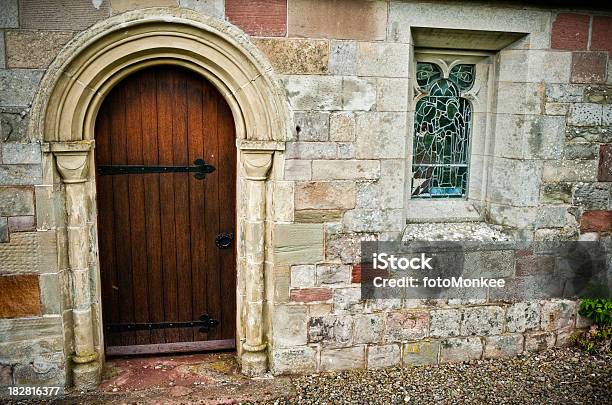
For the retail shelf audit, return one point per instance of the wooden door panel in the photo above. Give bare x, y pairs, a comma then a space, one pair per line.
158, 257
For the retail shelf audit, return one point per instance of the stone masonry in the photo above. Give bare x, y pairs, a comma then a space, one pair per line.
542, 171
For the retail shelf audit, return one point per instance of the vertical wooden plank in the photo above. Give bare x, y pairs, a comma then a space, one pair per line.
211, 212
227, 216
197, 202
104, 186
137, 205
167, 209
148, 91
181, 202
121, 207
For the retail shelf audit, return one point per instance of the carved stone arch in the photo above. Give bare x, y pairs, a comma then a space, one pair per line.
63, 117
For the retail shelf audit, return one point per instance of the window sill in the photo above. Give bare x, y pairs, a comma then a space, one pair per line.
436, 211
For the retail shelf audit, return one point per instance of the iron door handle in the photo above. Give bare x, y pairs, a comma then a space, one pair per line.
224, 240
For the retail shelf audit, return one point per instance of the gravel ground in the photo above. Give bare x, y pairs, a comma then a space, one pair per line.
559, 376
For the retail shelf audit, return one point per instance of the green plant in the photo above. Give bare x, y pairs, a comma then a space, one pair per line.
597, 309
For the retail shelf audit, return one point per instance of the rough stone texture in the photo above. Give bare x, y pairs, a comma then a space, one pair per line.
380, 135
2, 58
318, 216
369, 328
538, 341
383, 59
16, 201
601, 30
392, 95
383, 356
596, 221
17, 86
346, 246
13, 124
289, 325
311, 126
592, 196
460, 349
422, 352
298, 170
298, 243
214, 8
343, 57
311, 150
345, 169
342, 359
342, 127
480, 321
503, 346
29, 252
20, 175
570, 31
445, 323
358, 19
9, 14
330, 330
22, 224
4, 230
20, 296
325, 195
362, 220
564, 170
358, 94
121, 6
329, 274
348, 299
34, 49
605, 163
303, 276
589, 67
295, 56
314, 92
310, 295
68, 15
259, 17
6, 374
295, 360
402, 326
21, 153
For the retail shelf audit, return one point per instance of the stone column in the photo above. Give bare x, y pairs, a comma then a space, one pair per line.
255, 164
72, 160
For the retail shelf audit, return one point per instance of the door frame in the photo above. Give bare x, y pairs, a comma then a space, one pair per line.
63, 116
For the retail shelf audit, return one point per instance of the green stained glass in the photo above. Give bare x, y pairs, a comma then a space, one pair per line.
442, 132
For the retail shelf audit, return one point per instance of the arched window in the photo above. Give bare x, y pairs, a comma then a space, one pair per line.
442, 126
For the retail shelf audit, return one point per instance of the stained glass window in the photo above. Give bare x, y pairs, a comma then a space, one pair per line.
442, 132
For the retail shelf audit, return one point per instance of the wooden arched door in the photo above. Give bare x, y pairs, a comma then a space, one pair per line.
166, 172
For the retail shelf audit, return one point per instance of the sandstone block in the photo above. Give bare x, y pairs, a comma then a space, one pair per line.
456, 350
369, 328
346, 246
328, 274
564, 170
6, 374
318, 216
16, 201
536, 264
21, 153
4, 230
392, 95
342, 127
491, 264
45, 371
346, 150
445, 323
563, 338
2, 58
22, 223
383, 59
596, 221
310, 295
314, 92
358, 94
295, 56
564, 93
592, 196
585, 114
380, 135
503, 346
402, 326
538, 341
485, 320
580, 151
589, 67
50, 294
295, 360
34, 49
558, 314
605, 163
311, 150
73, 15
298, 169
570, 31
600, 33
20, 296
298, 243
18, 86
331, 330
342, 359
121, 6
14, 123
362, 220
303, 276
534, 66
343, 57
419, 353
519, 98
16, 330
325, 195
348, 299
289, 325
345, 169
9, 14
213, 8
358, 19
383, 356
312, 126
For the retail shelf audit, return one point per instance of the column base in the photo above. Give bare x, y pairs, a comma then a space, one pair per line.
86, 376
254, 363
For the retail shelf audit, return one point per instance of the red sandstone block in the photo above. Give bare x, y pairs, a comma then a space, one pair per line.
356, 274
596, 221
258, 17
310, 294
21, 223
20, 296
570, 31
589, 67
601, 33
605, 163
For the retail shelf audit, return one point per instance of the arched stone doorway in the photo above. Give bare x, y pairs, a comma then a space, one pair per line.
63, 117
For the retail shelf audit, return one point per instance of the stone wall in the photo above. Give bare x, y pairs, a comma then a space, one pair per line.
343, 176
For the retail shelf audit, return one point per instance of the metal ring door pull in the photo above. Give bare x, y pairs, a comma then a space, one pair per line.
224, 240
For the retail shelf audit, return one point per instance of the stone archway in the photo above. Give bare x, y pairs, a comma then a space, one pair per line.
63, 116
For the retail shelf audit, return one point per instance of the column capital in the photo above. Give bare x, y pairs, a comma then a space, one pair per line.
256, 163
72, 159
